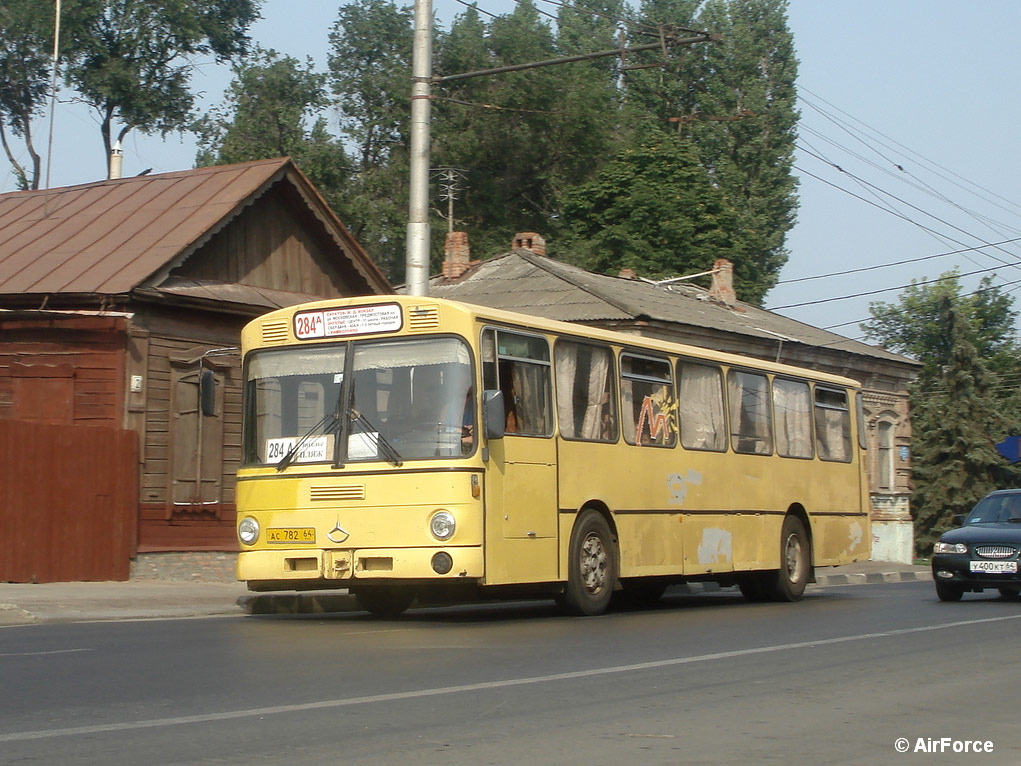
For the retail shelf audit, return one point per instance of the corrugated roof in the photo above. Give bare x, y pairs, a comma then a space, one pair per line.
111, 236
533, 284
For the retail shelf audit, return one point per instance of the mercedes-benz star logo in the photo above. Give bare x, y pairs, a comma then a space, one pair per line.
338, 534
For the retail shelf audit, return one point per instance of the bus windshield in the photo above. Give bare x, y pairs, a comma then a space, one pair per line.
409, 397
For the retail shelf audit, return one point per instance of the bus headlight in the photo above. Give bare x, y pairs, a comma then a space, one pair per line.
442, 525
248, 530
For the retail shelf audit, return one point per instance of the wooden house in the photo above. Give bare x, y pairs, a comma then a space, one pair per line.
117, 299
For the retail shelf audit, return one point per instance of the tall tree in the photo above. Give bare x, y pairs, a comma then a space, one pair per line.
653, 209
955, 429
914, 325
132, 60
735, 100
963, 402
524, 138
275, 107
26, 53
370, 65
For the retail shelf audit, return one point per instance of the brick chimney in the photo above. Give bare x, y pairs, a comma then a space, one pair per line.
722, 288
529, 240
458, 254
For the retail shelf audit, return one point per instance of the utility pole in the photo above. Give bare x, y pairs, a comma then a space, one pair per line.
416, 264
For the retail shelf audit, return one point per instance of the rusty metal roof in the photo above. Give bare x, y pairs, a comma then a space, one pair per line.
533, 284
111, 236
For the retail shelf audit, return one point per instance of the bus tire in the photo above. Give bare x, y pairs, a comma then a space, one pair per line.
591, 566
637, 595
755, 586
385, 602
795, 561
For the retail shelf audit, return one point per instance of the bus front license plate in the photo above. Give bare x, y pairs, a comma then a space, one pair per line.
303, 535
994, 567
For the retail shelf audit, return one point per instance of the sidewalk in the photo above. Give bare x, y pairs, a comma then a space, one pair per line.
26, 604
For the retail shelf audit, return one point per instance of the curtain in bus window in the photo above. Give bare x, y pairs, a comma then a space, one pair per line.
792, 413
531, 397
750, 430
565, 357
832, 425
600, 421
585, 392
703, 425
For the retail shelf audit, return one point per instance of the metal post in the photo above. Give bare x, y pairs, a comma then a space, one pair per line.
416, 265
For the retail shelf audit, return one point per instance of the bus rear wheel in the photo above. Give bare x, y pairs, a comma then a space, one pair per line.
385, 602
795, 561
591, 566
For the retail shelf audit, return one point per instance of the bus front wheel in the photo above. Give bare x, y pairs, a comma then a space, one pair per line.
385, 602
592, 566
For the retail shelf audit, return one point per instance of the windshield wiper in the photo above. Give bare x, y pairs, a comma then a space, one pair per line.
389, 451
326, 425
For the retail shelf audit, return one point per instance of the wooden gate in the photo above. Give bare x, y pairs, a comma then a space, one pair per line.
68, 502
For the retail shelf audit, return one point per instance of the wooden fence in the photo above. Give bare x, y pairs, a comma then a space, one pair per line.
68, 502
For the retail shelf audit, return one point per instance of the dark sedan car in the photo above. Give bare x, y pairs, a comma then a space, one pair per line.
983, 552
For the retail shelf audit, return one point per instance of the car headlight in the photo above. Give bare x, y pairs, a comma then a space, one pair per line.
248, 530
442, 525
942, 547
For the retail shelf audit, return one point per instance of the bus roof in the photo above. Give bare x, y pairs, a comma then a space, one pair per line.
436, 307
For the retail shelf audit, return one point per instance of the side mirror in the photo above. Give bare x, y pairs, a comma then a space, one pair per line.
207, 393
493, 414
959, 519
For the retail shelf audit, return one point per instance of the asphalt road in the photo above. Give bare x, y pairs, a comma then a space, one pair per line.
706, 679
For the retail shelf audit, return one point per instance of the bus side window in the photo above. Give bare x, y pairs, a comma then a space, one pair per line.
700, 407
523, 375
648, 414
832, 425
750, 427
586, 399
792, 413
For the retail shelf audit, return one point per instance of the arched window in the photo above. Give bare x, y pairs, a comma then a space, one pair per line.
884, 455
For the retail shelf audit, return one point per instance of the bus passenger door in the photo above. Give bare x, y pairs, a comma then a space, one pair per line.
521, 481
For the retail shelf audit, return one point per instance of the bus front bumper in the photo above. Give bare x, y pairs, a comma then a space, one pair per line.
303, 568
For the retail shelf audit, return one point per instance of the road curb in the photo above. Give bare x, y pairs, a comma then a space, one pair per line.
863, 578
11, 614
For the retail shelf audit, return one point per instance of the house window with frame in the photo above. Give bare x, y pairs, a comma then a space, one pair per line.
884, 455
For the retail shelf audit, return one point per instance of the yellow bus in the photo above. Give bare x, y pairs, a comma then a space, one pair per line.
416, 448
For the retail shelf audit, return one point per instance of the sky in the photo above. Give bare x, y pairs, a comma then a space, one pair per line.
906, 152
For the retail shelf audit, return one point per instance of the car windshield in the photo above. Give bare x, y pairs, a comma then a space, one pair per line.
996, 509
408, 400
